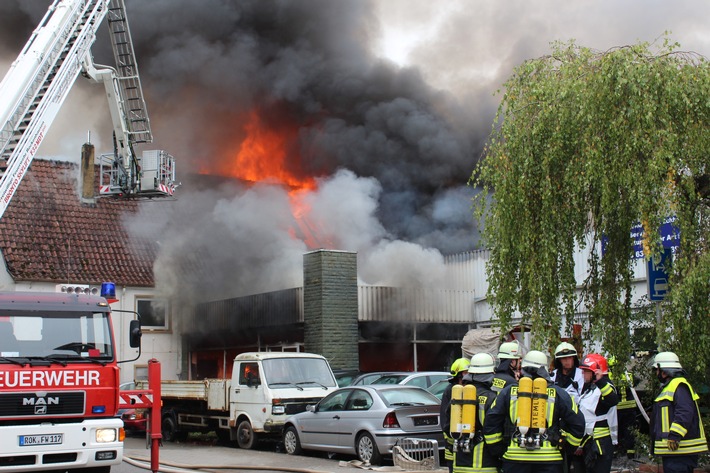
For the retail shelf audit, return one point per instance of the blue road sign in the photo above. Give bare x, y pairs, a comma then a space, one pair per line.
659, 268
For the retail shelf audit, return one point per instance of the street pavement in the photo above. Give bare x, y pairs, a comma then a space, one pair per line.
208, 455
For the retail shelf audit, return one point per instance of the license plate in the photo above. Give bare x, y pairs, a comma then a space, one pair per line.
431, 420
48, 439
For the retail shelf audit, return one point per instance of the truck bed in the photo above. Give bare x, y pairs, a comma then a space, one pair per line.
215, 392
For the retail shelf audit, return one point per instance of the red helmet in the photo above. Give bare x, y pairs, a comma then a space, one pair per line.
595, 362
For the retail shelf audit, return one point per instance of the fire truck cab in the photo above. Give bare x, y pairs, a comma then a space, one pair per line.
59, 382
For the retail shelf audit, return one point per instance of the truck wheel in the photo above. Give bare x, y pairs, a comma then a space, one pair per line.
292, 443
169, 428
246, 438
366, 449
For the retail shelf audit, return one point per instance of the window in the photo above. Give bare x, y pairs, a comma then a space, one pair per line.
249, 374
153, 312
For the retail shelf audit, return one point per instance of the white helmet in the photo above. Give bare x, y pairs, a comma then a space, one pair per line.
509, 351
667, 360
535, 359
482, 363
564, 350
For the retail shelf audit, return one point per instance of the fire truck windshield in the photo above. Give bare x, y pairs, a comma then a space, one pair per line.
74, 336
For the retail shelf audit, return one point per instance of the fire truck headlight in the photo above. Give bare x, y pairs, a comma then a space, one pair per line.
278, 409
106, 435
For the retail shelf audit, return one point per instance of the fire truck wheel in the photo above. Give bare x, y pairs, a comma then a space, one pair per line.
246, 438
169, 428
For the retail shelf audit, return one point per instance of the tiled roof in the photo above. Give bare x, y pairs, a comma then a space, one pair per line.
47, 234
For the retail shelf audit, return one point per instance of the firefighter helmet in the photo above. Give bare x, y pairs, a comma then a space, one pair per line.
535, 359
595, 362
509, 350
564, 350
459, 365
667, 360
482, 363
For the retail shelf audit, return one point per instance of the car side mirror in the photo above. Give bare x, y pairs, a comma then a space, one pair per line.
311, 407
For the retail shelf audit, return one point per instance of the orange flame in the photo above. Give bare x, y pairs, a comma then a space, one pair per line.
263, 156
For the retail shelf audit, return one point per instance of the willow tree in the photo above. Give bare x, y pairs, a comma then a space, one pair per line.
586, 145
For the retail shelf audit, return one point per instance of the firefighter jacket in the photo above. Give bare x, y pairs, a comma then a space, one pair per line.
623, 388
598, 404
445, 420
571, 383
676, 416
503, 378
478, 458
564, 421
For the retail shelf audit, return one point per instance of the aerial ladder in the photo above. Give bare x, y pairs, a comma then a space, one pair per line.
39, 81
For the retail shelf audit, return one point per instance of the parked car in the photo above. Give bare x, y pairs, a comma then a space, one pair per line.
368, 378
422, 379
345, 377
134, 420
438, 388
365, 421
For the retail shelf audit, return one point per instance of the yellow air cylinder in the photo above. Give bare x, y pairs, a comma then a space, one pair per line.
456, 398
468, 414
525, 388
539, 407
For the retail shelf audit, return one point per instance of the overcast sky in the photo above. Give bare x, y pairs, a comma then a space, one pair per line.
388, 103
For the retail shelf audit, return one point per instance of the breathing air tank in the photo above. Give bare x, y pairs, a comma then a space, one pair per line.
468, 414
539, 407
525, 391
456, 408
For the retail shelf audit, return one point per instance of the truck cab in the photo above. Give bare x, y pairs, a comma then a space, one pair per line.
267, 387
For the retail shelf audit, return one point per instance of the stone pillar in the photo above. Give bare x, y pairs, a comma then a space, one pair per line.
330, 306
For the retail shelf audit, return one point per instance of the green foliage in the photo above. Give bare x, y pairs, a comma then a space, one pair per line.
586, 144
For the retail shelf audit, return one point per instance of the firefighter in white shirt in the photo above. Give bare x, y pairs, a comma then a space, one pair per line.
598, 404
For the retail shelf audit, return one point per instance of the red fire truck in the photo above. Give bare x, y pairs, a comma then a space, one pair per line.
59, 382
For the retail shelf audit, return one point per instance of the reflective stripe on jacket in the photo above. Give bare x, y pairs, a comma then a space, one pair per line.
676, 416
562, 418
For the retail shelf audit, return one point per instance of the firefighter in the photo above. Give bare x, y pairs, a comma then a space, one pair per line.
598, 404
533, 423
458, 370
626, 412
508, 369
677, 435
567, 374
471, 454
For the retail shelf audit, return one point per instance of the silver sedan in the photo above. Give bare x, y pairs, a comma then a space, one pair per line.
365, 421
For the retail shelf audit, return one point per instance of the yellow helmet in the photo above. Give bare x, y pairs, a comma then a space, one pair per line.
459, 365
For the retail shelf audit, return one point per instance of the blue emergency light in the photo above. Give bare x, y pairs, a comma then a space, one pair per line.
108, 290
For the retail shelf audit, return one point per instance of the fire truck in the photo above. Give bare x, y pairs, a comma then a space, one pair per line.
59, 382
59, 375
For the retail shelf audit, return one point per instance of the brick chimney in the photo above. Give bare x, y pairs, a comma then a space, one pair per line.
87, 174
330, 306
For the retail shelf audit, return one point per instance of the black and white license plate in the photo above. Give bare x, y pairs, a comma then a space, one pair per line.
47, 439
428, 420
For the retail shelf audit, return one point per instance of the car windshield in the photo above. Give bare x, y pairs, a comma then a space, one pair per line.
390, 379
291, 372
414, 397
67, 335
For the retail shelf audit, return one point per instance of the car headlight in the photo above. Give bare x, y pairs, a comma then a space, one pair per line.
278, 409
106, 435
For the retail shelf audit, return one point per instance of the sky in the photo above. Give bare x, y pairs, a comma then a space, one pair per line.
375, 111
